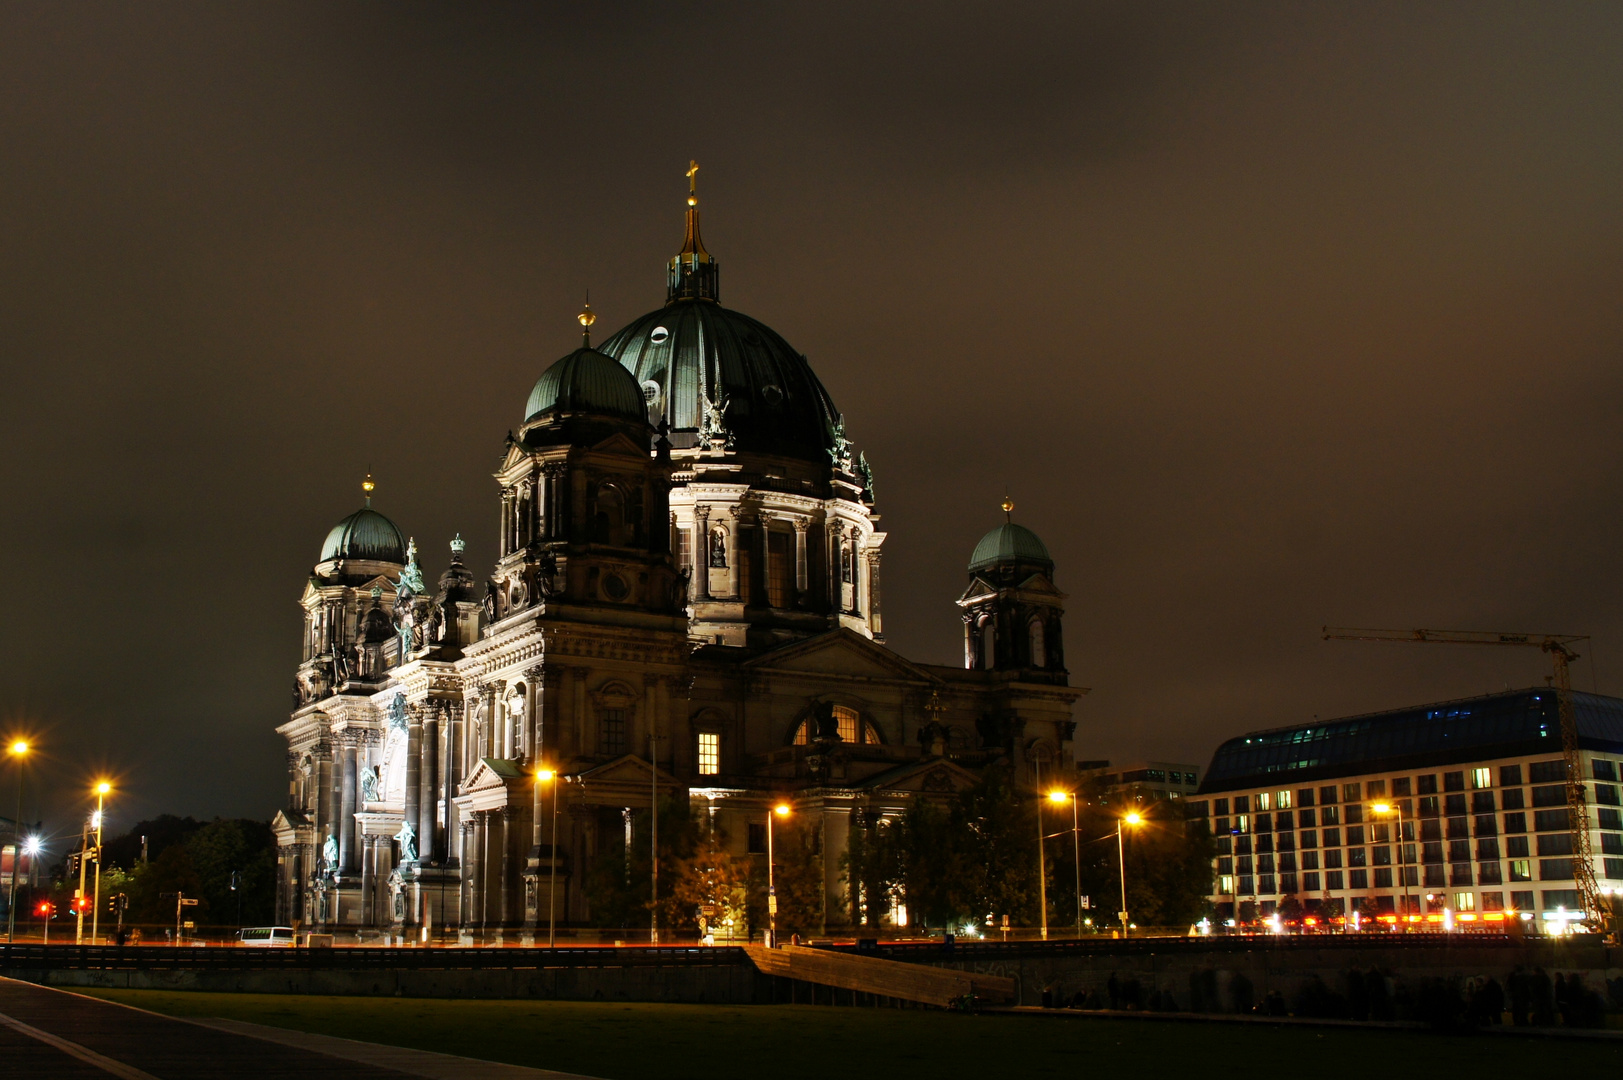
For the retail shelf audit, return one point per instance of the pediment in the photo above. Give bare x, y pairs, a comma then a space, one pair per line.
620, 444
929, 776
839, 652
516, 452
491, 774
979, 589
629, 769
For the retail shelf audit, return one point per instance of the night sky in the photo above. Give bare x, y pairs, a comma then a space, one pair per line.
1267, 316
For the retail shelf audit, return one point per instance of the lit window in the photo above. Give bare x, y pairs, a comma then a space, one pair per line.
1225, 885
709, 753
1465, 901
1284, 800
1482, 778
847, 719
1265, 800
684, 548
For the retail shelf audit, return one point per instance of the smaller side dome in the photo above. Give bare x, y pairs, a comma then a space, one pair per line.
586, 381
365, 534
1009, 543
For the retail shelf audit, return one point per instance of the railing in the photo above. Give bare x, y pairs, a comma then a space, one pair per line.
924, 952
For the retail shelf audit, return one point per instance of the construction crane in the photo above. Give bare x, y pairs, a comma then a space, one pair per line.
1559, 646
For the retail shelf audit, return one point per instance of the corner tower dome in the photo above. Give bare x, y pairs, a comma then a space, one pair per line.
711, 372
1009, 543
365, 535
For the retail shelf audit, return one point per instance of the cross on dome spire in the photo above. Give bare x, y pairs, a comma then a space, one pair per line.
693, 273
586, 319
367, 486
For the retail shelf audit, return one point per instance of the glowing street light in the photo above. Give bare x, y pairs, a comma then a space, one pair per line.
18, 752
780, 810
1131, 818
1059, 796
102, 789
1381, 809
550, 776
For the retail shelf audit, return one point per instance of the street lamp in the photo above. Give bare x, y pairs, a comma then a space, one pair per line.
1132, 818
1076, 843
1381, 809
102, 788
548, 776
18, 751
780, 810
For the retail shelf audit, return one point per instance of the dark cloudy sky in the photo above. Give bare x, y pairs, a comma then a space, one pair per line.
1268, 316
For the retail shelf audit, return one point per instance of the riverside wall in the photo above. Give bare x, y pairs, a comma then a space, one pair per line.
1173, 966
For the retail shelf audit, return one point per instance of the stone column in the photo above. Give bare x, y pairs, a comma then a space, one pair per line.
450, 773
502, 909
427, 808
346, 804
368, 880
759, 569
414, 770
586, 741
802, 570
477, 856
464, 915
701, 553
875, 619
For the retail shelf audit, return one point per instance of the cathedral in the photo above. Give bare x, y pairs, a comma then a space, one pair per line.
685, 604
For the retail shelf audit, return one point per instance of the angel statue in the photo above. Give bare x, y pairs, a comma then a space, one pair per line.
408, 842
329, 852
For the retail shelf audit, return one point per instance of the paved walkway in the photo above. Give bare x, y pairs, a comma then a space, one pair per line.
63, 1036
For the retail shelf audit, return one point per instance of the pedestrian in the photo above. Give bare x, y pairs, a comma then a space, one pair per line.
1493, 1003
1521, 996
1543, 999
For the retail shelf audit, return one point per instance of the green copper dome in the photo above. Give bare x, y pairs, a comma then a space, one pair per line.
691, 352
365, 534
1009, 543
586, 381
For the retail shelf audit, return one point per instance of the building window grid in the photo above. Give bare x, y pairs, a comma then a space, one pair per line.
1486, 869
709, 753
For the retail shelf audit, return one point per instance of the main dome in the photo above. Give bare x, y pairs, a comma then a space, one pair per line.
694, 351
590, 382
365, 534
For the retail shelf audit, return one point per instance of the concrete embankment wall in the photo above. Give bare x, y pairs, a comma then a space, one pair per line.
1286, 970
727, 983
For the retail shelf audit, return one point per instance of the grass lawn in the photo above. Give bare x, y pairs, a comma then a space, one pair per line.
802, 1042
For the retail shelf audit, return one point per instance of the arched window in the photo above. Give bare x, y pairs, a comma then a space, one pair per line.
850, 724
1039, 653
609, 521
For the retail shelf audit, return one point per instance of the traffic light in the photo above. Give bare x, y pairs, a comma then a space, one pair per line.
45, 909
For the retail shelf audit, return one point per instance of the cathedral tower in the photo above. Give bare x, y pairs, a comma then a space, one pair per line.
1011, 610
772, 509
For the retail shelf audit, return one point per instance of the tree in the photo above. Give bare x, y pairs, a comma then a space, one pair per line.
710, 877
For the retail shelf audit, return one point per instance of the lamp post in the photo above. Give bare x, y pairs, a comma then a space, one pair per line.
548, 776
1382, 809
102, 788
1042, 855
1076, 843
18, 751
1131, 818
780, 810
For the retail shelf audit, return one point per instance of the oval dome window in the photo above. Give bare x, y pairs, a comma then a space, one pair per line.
772, 394
614, 587
658, 335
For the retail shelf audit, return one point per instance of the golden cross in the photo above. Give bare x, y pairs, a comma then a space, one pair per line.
693, 177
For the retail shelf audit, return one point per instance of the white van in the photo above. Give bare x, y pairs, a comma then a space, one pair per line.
266, 937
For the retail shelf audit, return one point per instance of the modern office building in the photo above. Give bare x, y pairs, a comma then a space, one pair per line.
1158, 779
1479, 787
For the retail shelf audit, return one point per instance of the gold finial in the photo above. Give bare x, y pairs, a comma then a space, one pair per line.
586, 319
367, 486
693, 183
1008, 508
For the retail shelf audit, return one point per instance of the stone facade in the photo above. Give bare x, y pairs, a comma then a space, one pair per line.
685, 602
